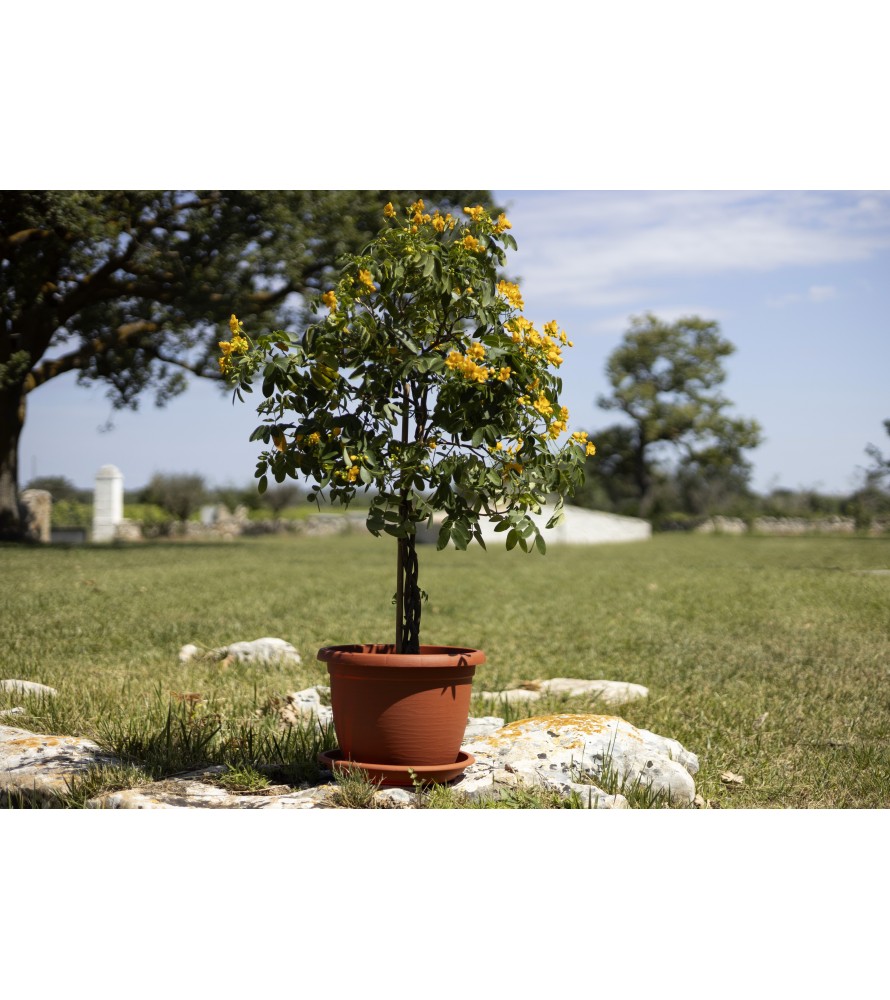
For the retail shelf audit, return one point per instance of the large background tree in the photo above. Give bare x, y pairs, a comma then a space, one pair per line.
134, 288
664, 379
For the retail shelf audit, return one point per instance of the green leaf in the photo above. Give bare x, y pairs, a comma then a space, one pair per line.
512, 539
263, 484
444, 536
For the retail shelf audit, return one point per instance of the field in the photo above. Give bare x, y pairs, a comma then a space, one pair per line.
767, 657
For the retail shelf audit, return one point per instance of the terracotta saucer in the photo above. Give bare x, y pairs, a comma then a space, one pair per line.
399, 775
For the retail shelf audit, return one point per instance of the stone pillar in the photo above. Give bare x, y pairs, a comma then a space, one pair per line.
39, 505
108, 503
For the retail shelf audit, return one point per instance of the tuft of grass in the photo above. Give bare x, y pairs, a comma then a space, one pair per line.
355, 789
243, 779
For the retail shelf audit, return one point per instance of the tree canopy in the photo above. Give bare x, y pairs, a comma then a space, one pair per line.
134, 288
665, 379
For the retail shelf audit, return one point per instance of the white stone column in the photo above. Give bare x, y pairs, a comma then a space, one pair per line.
108, 503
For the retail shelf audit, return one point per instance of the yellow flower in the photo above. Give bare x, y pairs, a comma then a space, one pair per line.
439, 222
504, 374
330, 300
475, 213
313, 438
476, 351
364, 276
502, 223
471, 243
591, 448
389, 211
511, 293
235, 325
543, 405
353, 473
580, 437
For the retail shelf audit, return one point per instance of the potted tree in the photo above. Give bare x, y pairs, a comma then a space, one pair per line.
421, 383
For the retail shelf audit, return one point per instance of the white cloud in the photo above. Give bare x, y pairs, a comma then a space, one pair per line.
593, 248
815, 293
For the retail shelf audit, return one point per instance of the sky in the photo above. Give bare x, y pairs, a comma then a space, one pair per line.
797, 280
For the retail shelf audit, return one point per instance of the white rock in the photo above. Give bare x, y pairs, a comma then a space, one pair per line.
558, 749
611, 692
39, 766
513, 696
27, 687
265, 650
188, 652
481, 726
300, 706
18, 710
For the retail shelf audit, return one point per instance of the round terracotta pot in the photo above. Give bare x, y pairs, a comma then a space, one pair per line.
400, 708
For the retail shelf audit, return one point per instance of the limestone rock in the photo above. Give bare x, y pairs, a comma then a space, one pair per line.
265, 650
195, 790
18, 710
611, 692
38, 767
189, 652
27, 687
557, 750
512, 696
481, 726
301, 706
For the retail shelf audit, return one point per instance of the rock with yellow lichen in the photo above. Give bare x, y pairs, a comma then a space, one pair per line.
571, 752
37, 767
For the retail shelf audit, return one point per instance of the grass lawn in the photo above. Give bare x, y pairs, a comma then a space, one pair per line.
767, 657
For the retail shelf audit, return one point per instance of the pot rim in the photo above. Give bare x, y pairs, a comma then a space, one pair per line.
384, 655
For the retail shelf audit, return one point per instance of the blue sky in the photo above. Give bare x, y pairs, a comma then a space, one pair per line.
797, 280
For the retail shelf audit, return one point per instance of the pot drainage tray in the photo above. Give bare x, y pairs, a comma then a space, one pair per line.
399, 775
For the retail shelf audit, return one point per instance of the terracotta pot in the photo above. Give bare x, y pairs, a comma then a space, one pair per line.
398, 708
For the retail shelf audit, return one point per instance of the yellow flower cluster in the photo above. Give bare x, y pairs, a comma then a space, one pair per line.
502, 224
418, 216
523, 332
389, 211
559, 426
443, 222
581, 438
542, 405
476, 213
511, 293
467, 365
364, 276
330, 300
471, 243
237, 345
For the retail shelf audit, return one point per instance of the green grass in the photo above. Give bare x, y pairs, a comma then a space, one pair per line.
767, 657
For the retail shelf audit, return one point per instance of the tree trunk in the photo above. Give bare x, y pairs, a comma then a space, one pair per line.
408, 598
12, 420
643, 479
